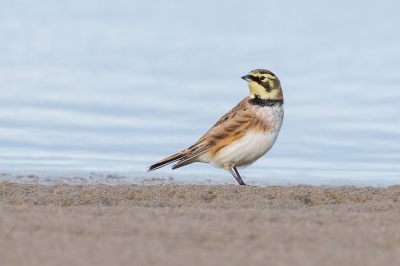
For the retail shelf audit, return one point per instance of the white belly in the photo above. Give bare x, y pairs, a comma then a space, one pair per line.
244, 151
251, 146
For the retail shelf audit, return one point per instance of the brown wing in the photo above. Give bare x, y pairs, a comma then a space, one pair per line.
230, 127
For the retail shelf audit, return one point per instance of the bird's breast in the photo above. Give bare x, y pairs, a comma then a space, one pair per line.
258, 139
269, 118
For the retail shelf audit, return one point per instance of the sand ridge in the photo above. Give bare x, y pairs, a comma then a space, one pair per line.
204, 196
198, 225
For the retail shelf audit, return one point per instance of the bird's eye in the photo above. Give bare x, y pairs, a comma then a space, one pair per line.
262, 78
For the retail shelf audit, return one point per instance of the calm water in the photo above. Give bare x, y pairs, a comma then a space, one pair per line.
91, 89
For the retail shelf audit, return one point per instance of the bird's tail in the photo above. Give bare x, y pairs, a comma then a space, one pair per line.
166, 161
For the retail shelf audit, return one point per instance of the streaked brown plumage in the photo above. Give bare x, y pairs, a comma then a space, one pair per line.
242, 135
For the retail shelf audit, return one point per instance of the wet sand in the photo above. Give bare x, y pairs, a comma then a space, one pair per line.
198, 225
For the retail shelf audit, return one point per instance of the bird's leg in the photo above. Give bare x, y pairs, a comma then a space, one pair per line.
237, 176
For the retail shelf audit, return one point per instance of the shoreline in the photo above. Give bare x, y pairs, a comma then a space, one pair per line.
198, 225
209, 196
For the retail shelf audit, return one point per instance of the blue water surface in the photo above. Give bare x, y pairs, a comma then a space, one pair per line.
91, 89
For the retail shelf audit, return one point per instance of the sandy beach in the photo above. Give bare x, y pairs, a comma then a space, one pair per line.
198, 225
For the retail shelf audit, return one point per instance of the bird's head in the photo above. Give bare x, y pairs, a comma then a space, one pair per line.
263, 84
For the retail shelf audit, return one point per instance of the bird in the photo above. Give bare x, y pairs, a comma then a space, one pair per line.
242, 135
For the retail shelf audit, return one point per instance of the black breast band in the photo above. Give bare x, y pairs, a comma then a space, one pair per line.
268, 102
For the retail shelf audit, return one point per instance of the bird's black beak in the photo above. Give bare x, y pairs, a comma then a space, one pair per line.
247, 78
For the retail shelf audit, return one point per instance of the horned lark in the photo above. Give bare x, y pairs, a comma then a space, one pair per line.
244, 134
